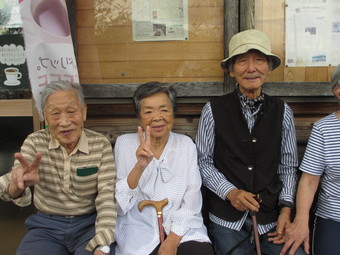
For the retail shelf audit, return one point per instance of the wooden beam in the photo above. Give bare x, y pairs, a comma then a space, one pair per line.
16, 107
247, 19
71, 10
303, 89
231, 27
126, 90
210, 89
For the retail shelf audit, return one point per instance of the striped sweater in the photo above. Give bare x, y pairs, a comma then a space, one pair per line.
75, 184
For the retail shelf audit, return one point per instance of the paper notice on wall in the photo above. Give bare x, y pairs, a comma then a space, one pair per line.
159, 20
312, 32
48, 42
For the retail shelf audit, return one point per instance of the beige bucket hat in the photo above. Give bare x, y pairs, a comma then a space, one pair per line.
250, 40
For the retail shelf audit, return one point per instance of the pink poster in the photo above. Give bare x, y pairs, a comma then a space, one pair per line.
48, 42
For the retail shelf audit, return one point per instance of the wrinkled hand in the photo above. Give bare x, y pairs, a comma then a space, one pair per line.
170, 245
243, 200
26, 174
296, 234
144, 154
283, 222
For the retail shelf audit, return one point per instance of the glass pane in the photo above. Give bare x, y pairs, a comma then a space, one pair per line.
14, 81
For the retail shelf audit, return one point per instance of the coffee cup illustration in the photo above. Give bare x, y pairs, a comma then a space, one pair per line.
12, 76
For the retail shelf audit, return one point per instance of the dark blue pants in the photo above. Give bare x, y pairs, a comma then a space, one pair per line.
326, 237
225, 239
57, 235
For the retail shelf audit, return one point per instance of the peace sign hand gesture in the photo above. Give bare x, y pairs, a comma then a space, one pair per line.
24, 175
144, 154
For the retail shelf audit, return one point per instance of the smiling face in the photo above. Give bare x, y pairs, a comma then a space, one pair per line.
65, 117
157, 112
250, 71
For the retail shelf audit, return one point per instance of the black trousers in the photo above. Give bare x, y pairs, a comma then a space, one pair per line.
191, 247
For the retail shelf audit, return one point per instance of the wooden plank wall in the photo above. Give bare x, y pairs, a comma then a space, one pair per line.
107, 53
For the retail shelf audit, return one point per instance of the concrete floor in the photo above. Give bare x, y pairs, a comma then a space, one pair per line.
13, 131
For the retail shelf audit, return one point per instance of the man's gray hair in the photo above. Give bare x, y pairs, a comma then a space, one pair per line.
61, 86
151, 88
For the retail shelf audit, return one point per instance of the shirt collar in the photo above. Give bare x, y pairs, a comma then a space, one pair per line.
82, 144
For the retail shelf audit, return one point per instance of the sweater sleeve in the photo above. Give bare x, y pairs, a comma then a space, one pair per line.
105, 203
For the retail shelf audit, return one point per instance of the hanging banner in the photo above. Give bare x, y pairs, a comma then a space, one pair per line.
49, 47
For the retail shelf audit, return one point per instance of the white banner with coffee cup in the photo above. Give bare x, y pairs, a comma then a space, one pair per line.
48, 42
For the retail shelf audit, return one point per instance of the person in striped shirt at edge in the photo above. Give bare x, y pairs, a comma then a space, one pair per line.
73, 174
321, 168
247, 154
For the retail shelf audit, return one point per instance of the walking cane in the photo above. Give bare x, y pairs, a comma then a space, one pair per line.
158, 205
255, 228
256, 233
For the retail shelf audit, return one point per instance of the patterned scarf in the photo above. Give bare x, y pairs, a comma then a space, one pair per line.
252, 104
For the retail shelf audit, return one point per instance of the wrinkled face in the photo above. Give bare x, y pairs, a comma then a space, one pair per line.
250, 70
157, 112
65, 117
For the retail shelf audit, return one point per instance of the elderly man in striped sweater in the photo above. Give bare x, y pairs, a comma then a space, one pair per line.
73, 174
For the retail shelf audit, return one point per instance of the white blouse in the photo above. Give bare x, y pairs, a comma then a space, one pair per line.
174, 176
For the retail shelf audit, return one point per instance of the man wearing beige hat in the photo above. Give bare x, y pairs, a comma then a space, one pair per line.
247, 154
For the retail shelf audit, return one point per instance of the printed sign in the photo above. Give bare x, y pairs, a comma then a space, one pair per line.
49, 47
13, 75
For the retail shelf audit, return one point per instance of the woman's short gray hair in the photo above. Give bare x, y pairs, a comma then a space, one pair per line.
151, 88
61, 86
335, 80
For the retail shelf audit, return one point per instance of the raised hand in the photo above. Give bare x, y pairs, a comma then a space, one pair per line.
144, 154
26, 174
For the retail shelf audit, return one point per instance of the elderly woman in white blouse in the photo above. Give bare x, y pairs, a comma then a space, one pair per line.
154, 164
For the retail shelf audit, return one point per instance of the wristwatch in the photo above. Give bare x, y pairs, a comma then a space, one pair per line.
105, 249
283, 203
